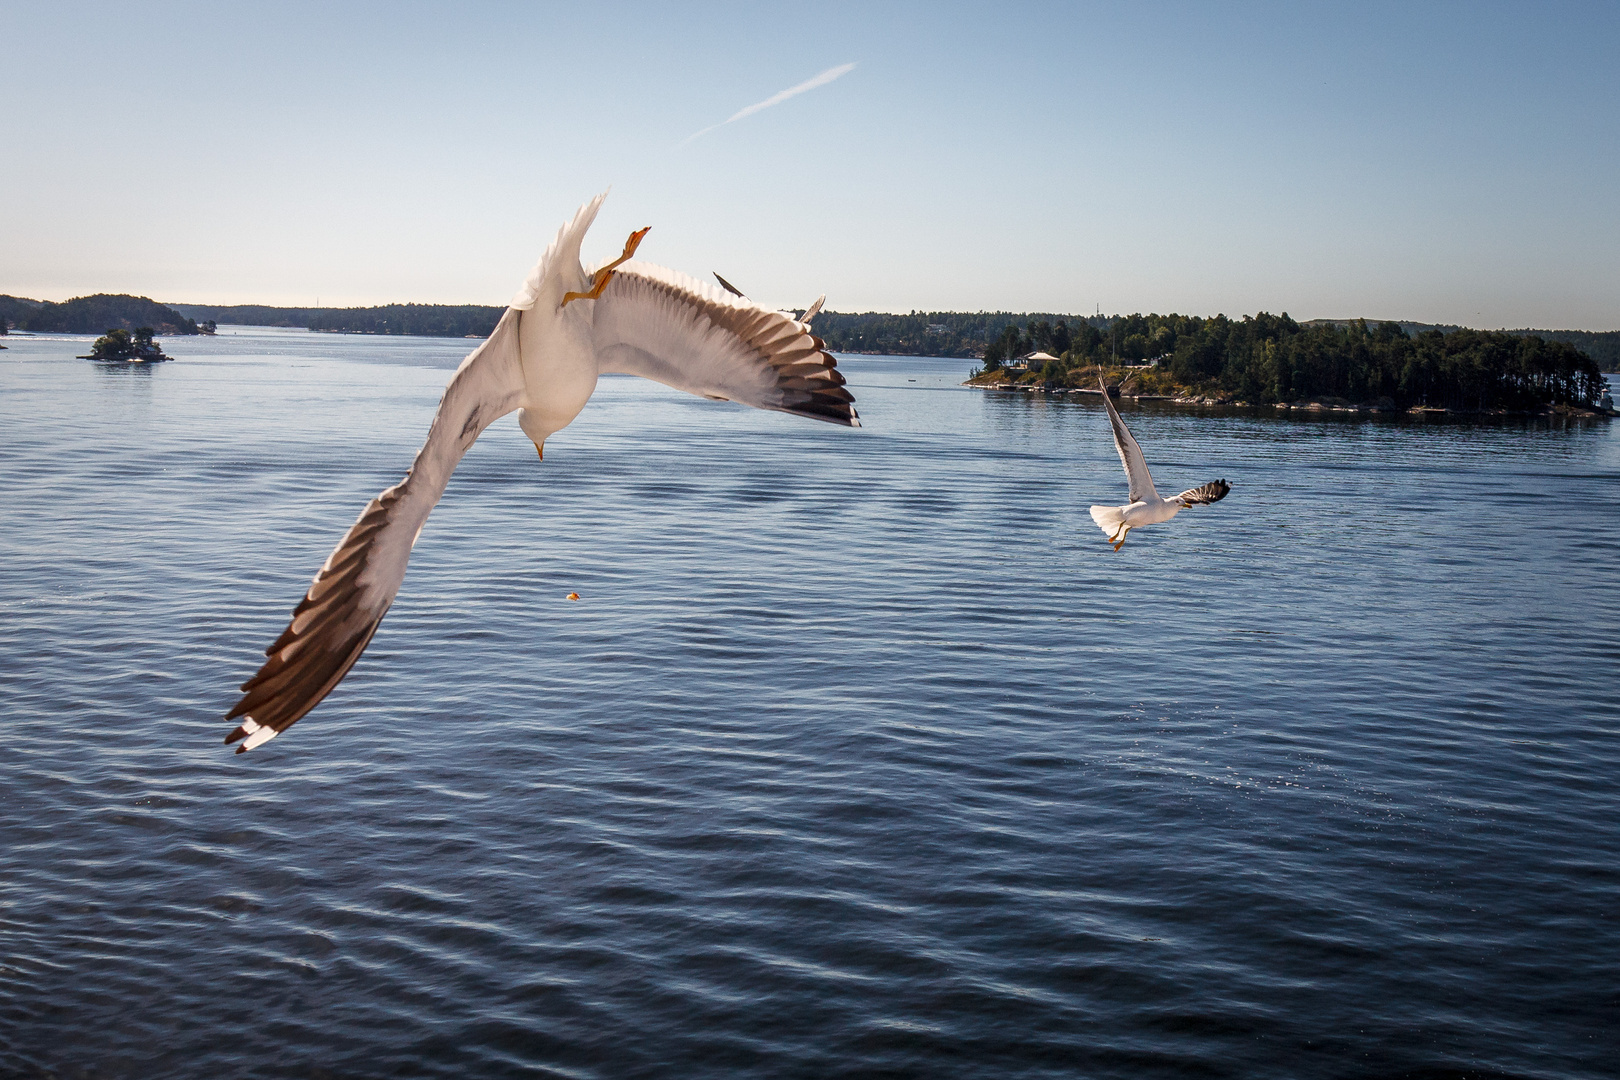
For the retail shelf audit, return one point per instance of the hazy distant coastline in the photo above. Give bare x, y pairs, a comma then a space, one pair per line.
411, 320
933, 333
95, 314
969, 335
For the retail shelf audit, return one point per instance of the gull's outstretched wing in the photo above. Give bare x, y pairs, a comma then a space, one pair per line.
1204, 494
333, 624
670, 328
1130, 455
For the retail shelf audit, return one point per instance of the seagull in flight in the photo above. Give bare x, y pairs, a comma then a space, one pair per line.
565, 328
1145, 507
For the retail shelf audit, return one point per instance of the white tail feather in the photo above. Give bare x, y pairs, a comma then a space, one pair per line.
564, 246
1110, 519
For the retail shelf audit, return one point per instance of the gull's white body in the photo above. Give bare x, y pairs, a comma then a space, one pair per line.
1149, 511
1145, 507
543, 359
555, 343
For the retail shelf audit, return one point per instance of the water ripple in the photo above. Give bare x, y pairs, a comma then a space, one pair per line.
861, 754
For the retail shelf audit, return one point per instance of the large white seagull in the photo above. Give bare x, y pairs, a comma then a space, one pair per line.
564, 329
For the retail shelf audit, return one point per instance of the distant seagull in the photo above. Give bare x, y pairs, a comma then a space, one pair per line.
564, 328
1145, 508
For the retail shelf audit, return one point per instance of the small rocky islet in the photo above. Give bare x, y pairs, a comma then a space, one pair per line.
120, 346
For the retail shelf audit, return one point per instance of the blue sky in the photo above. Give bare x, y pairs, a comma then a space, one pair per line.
1438, 162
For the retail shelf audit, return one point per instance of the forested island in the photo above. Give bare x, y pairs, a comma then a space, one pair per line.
1271, 359
124, 347
94, 315
971, 335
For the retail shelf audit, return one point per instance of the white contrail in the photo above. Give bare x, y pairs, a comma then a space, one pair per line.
776, 99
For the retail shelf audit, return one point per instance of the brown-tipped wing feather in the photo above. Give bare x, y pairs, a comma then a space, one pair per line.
335, 621
672, 329
329, 630
1204, 494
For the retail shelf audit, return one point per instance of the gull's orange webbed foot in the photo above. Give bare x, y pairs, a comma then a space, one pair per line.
605, 275
630, 245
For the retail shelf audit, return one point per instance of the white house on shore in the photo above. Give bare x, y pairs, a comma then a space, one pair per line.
1030, 361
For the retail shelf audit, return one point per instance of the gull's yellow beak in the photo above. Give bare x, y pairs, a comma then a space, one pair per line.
541, 450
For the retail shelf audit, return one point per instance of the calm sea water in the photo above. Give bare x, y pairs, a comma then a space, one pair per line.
861, 754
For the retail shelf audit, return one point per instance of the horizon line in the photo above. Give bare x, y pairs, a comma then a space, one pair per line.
177, 304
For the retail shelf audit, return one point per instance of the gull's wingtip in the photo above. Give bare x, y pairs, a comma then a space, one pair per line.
257, 734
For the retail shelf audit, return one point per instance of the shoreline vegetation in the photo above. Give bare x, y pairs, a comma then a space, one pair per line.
970, 335
974, 335
1271, 360
1259, 360
96, 315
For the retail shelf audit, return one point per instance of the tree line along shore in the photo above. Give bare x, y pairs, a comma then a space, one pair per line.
970, 335
96, 314
973, 335
1260, 359
1273, 360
